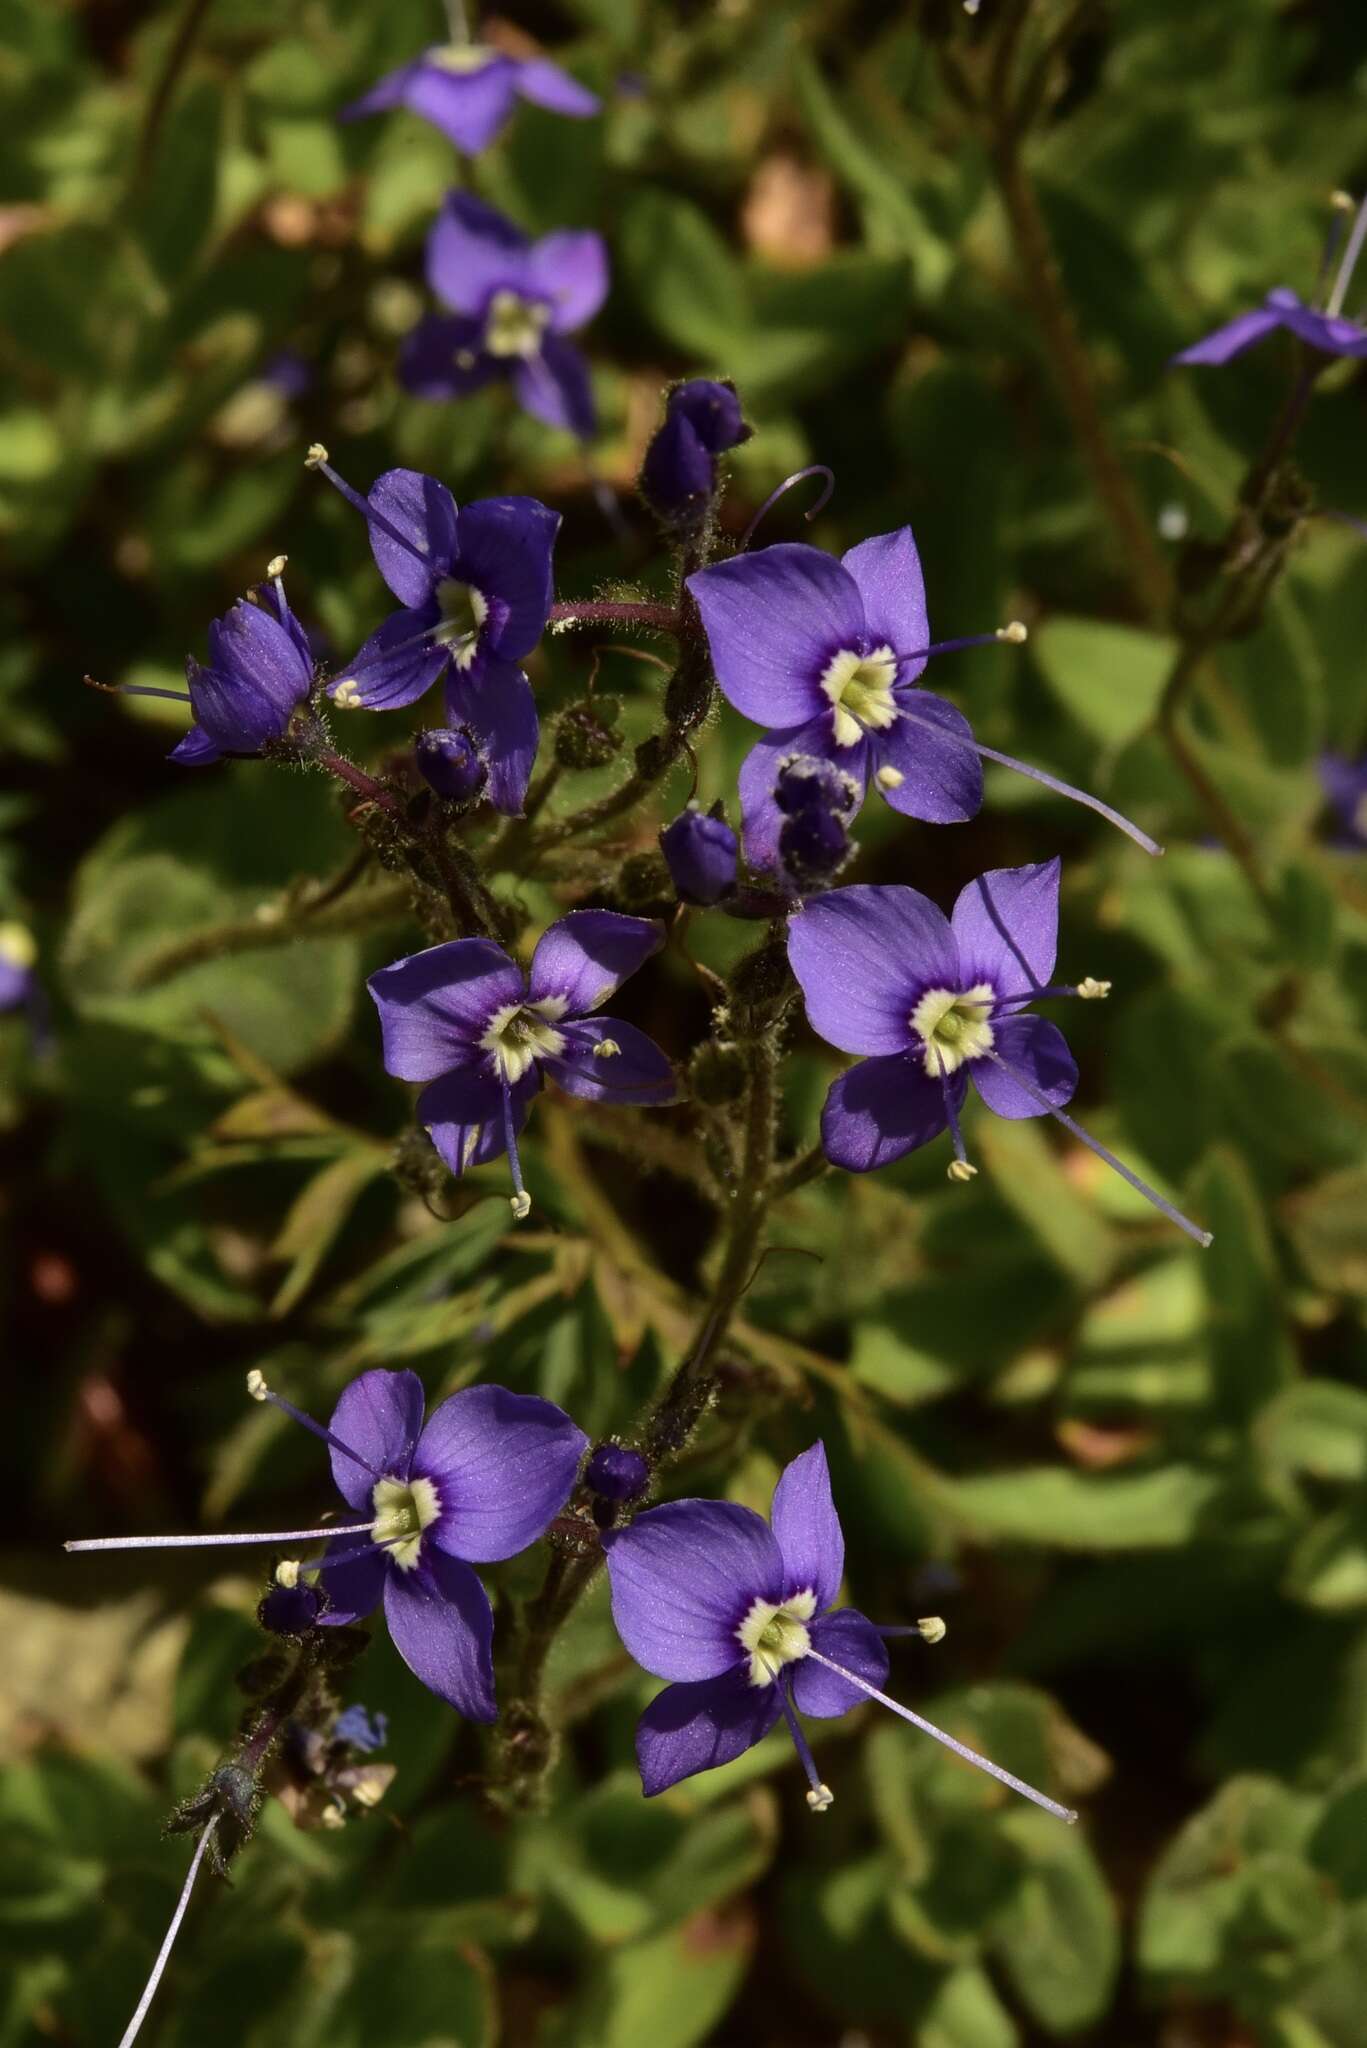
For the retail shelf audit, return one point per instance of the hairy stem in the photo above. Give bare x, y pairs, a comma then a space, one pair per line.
608, 612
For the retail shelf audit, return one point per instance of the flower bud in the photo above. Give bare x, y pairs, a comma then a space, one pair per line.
702, 852
585, 735
679, 474
718, 1074
818, 801
289, 1610
644, 888
449, 763
617, 1473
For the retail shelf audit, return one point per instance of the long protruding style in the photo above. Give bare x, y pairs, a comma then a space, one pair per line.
149, 1992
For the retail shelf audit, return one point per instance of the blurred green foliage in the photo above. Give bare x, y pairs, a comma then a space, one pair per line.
1133, 1477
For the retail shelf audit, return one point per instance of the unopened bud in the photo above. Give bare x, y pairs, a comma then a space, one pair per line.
959, 1169
820, 1797
932, 1628
256, 1385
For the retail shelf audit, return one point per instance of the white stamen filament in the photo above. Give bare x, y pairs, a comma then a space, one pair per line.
1349, 263
323, 1535
970, 1756
134, 2027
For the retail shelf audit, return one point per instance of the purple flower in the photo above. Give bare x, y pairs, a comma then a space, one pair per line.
475, 590
450, 763
1327, 331
1344, 783
679, 474
701, 853
465, 1019
740, 1614
479, 1481
260, 671
936, 1002
511, 303
827, 654
469, 90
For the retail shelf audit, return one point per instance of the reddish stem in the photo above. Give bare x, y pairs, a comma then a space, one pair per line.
603, 612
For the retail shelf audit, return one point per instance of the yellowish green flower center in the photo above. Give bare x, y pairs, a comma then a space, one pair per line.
403, 1509
513, 326
954, 1027
463, 611
460, 57
774, 1636
860, 688
522, 1032
17, 947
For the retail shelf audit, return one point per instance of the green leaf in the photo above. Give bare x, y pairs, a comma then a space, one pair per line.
1328, 1567
1327, 1223
1085, 1511
1058, 1935
966, 2013
1109, 677
683, 275
669, 1991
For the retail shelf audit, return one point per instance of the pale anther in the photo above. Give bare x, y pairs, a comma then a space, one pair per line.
276, 565
1016, 633
820, 1797
287, 1572
521, 1206
256, 1385
1093, 991
606, 1049
316, 456
932, 1628
889, 777
961, 1169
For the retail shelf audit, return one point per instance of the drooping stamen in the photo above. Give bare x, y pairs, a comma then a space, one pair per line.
1088, 990
248, 1536
821, 1795
1193, 1230
521, 1203
812, 469
970, 1756
1014, 635
1041, 775
1334, 303
135, 690
134, 2027
930, 1628
317, 458
259, 1391
961, 1169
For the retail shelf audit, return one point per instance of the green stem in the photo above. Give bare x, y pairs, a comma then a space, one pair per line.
385, 902
800, 1172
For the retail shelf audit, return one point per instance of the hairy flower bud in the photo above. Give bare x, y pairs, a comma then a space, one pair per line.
585, 735
679, 474
717, 1074
644, 886
617, 1473
449, 763
702, 852
818, 801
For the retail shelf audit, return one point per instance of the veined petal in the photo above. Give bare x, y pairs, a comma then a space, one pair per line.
398, 664
862, 956
684, 1576
505, 551
442, 1626
1036, 1049
586, 956
546, 85
379, 1416
554, 387
463, 1143
773, 621
881, 1110
1006, 925
435, 1006
503, 1464
636, 1075
424, 512
690, 1728
469, 107
570, 269
846, 1638
499, 708
807, 1528
887, 570
931, 749
472, 252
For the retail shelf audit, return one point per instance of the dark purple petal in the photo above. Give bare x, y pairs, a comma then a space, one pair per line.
389, 91
256, 677
442, 1626
465, 1095
701, 854
616, 1472
678, 476
807, 1527
503, 1465
863, 956
355, 1586
762, 818
505, 551
637, 1075
585, 957
931, 748
271, 598
450, 763
1006, 926
1232, 339
570, 270
472, 252
881, 1110
435, 1006
684, 1577
1036, 1049
398, 664
196, 750
379, 1416
443, 357
773, 621
712, 408
846, 1638
887, 570
469, 107
461, 1144
690, 1728
554, 387
498, 707
546, 85
424, 513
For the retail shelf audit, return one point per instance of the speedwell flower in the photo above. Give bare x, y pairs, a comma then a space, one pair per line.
475, 590
481, 1480
465, 1019
469, 90
741, 1615
937, 1002
1325, 330
828, 654
511, 303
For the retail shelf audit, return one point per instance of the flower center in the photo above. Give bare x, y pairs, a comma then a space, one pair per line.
774, 1636
460, 57
520, 1033
463, 611
513, 326
953, 1027
403, 1509
860, 689
17, 948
